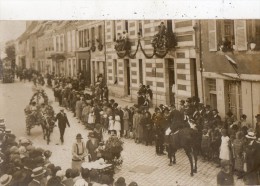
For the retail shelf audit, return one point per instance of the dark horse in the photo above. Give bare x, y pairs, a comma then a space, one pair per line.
187, 139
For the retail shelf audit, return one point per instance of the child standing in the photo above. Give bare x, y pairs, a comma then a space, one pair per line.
117, 125
110, 125
91, 119
205, 144
225, 146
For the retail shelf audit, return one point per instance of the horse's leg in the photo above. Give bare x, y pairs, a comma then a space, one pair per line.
188, 153
174, 157
195, 155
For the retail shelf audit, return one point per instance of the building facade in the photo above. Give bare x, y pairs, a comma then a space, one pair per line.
215, 60
172, 78
231, 66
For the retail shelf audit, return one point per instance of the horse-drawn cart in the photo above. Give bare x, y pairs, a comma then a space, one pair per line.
39, 112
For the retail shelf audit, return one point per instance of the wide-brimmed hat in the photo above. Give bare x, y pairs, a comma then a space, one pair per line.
79, 136
215, 110
2, 125
5, 179
8, 131
38, 172
91, 134
133, 183
251, 135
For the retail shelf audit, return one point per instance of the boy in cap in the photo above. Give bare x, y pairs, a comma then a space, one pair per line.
225, 177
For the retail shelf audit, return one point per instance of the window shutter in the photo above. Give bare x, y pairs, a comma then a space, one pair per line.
212, 35
240, 34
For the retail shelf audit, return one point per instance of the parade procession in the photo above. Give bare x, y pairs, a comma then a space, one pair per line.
131, 103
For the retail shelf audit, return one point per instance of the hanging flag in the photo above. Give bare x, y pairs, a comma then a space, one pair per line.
233, 64
231, 61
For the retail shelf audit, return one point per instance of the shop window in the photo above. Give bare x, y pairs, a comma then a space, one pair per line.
253, 33
235, 98
115, 71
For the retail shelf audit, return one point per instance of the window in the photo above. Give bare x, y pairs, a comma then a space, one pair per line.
140, 28
225, 32
212, 85
93, 35
69, 40
126, 26
57, 43
235, 98
140, 71
80, 38
115, 71
114, 30
100, 33
169, 25
33, 52
253, 32
61, 43
73, 40
85, 38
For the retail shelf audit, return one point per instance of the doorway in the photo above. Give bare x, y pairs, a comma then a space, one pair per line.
171, 73
127, 81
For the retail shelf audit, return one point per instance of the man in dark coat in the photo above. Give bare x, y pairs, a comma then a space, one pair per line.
62, 122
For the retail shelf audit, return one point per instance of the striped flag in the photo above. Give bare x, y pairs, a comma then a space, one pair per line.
233, 64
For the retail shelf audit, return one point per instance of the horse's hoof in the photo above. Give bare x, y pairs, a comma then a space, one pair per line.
191, 174
194, 170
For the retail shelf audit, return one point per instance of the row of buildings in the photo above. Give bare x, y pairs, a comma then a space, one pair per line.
215, 60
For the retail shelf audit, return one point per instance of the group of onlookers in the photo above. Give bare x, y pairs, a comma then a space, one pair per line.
21, 164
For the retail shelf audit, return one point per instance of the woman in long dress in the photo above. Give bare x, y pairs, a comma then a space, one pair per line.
78, 108
78, 152
126, 121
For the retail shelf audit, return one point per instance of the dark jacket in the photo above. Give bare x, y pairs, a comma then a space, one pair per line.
62, 120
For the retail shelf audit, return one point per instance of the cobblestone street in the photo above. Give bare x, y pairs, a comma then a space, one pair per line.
14, 98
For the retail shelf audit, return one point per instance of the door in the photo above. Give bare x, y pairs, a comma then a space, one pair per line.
127, 82
194, 82
171, 73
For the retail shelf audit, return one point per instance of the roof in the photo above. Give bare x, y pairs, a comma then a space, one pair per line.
26, 34
246, 62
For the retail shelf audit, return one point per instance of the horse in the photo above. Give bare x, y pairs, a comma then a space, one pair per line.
47, 127
186, 138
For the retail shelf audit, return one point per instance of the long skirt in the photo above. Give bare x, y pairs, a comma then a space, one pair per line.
126, 124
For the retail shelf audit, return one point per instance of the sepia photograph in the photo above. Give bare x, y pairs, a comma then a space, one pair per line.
130, 102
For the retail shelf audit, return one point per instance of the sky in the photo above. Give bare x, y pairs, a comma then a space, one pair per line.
10, 30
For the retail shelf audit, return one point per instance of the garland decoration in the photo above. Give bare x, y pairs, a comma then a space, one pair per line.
37, 95
162, 42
